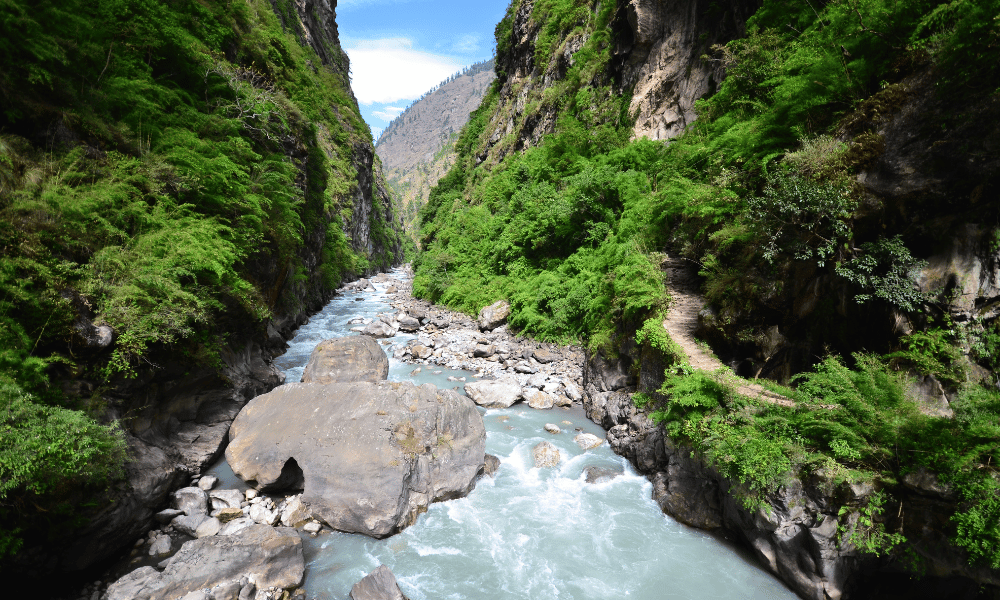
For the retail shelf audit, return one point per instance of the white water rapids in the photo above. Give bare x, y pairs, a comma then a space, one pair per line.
528, 533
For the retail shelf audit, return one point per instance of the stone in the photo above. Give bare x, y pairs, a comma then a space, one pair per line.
380, 584
236, 525
391, 289
208, 482
560, 400
594, 474
552, 428
491, 465
539, 400
271, 557
208, 527
586, 441
545, 356
161, 545
493, 394
225, 499
352, 358
484, 350
295, 512
494, 315
545, 454
250, 494
421, 352
229, 590
312, 527
260, 514
926, 482
188, 524
225, 515
379, 329
526, 368
572, 391
191, 500
408, 323
369, 457
167, 515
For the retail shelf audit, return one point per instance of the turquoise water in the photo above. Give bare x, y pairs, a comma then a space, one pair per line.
528, 533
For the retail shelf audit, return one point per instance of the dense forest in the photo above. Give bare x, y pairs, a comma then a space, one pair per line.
769, 189
172, 176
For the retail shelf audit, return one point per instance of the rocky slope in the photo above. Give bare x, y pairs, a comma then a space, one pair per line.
417, 148
176, 414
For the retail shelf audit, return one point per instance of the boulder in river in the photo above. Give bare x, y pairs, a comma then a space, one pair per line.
539, 400
352, 358
494, 315
408, 323
545, 454
369, 457
270, 557
586, 441
594, 474
379, 329
380, 584
493, 394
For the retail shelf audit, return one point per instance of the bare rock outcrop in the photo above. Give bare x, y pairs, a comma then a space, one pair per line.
369, 457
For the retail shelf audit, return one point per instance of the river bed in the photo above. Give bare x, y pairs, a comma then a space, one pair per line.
527, 533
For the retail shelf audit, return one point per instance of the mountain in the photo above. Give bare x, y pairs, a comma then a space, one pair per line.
815, 189
181, 185
417, 147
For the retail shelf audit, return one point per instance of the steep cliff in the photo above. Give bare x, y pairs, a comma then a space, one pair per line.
200, 195
831, 179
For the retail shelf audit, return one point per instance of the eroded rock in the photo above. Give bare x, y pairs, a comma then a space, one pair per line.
380, 584
371, 456
493, 394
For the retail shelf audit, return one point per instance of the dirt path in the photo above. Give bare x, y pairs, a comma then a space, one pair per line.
682, 321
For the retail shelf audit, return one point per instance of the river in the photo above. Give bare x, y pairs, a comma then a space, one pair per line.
528, 533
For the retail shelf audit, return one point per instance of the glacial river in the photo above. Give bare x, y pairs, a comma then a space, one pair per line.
528, 533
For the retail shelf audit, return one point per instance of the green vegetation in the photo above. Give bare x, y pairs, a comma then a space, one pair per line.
765, 182
152, 155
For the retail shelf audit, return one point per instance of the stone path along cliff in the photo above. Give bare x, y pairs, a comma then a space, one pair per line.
682, 320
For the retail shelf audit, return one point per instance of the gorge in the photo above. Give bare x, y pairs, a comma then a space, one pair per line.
184, 184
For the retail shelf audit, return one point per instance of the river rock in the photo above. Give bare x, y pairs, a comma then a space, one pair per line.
587, 441
408, 323
493, 394
352, 358
539, 400
494, 315
484, 350
370, 456
270, 557
420, 351
380, 584
546, 455
191, 500
379, 329
188, 524
236, 525
226, 515
208, 482
544, 356
208, 527
491, 466
225, 499
167, 515
572, 391
295, 512
260, 514
552, 428
161, 545
600, 474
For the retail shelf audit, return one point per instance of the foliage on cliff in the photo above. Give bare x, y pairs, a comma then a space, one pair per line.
151, 153
568, 229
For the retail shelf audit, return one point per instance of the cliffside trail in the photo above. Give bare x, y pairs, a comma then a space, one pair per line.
682, 322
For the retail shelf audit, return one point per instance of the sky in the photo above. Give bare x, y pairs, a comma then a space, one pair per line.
400, 49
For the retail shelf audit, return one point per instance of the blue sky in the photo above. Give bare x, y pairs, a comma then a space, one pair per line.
399, 49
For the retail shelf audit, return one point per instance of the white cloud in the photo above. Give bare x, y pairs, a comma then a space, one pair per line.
390, 70
386, 115
466, 44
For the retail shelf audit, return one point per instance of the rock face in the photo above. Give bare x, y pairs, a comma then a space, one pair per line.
353, 358
270, 557
494, 315
380, 584
369, 456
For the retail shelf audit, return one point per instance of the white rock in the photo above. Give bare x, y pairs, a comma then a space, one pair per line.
312, 527
161, 545
208, 482
546, 455
587, 441
552, 428
295, 512
208, 527
539, 400
260, 514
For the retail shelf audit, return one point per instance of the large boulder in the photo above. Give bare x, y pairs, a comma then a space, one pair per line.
353, 358
271, 558
493, 394
494, 315
369, 457
380, 584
